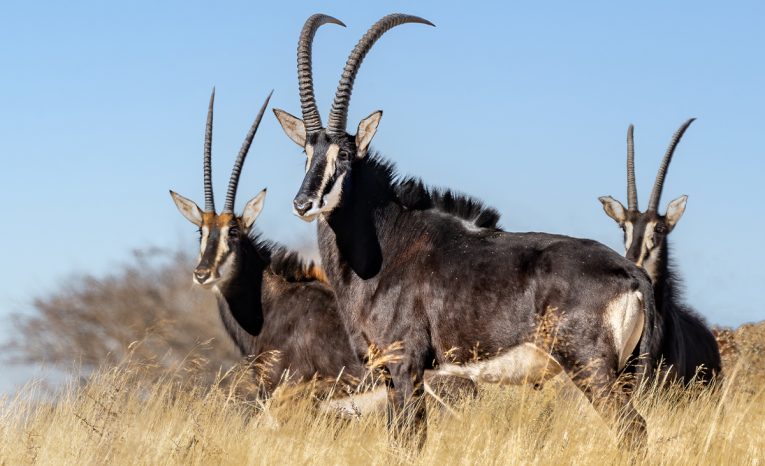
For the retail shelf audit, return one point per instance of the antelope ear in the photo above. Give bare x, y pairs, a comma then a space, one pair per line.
675, 210
614, 209
292, 125
367, 130
253, 208
188, 208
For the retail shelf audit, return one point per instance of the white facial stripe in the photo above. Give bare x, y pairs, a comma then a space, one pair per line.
648, 253
329, 168
309, 156
648, 240
628, 231
332, 198
222, 245
203, 241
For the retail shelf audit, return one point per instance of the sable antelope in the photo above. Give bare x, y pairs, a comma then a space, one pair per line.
688, 346
268, 299
430, 269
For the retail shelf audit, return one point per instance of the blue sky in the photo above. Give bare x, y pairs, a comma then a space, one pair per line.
523, 105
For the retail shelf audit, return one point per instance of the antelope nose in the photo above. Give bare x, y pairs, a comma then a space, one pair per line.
302, 204
201, 274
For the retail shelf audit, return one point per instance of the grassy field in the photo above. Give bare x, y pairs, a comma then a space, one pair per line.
118, 416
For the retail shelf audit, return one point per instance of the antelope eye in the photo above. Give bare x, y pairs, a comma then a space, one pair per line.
233, 232
660, 229
344, 154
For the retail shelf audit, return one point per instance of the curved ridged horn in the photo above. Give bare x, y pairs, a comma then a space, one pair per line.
209, 199
653, 203
632, 201
311, 117
339, 114
228, 207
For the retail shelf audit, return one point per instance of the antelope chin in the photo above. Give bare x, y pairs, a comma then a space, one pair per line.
309, 216
207, 284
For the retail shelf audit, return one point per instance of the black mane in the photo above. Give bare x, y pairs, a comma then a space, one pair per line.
413, 194
689, 343
286, 263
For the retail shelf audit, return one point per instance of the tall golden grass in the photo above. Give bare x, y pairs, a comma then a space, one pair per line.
120, 416
175, 407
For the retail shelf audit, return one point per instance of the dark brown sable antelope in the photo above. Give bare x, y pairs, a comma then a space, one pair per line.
431, 269
268, 299
688, 347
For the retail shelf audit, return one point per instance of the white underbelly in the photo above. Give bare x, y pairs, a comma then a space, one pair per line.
525, 363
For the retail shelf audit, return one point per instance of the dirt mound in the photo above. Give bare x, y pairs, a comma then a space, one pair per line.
743, 355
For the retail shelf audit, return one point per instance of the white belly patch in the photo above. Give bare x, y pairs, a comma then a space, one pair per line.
525, 363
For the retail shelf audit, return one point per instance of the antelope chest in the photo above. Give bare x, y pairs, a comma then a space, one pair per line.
525, 363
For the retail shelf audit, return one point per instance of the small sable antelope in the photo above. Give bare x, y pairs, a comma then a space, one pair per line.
431, 270
268, 299
688, 347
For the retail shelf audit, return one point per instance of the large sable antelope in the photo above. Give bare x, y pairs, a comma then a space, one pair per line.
688, 347
431, 270
268, 299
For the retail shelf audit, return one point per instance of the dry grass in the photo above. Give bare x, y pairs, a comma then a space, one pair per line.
173, 409
120, 416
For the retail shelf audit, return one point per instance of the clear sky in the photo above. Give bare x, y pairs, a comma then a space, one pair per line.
524, 105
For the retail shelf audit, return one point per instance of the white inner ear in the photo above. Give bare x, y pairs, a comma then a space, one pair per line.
292, 125
188, 208
675, 210
614, 209
367, 130
253, 208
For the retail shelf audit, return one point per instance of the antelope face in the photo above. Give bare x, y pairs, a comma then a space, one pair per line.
645, 233
329, 160
220, 238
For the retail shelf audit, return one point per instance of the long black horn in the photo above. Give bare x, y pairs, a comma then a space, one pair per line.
209, 199
653, 203
311, 117
632, 201
339, 114
228, 207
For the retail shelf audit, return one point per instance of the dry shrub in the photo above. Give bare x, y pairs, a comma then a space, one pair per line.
744, 349
95, 321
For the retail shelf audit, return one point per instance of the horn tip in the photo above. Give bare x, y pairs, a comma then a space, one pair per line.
268, 98
418, 19
333, 20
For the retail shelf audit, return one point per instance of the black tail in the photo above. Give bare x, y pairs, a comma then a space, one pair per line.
649, 348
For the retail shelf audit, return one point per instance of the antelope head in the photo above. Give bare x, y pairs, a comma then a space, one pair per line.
645, 232
221, 235
330, 151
